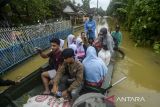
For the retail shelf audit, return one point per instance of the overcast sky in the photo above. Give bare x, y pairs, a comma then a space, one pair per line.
93, 3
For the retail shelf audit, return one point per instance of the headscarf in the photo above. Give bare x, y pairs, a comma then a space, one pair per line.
106, 39
73, 46
103, 35
94, 67
70, 39
80, 49
61, 43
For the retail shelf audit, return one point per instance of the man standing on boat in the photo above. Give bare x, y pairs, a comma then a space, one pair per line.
69, 76
90, 27
55, 60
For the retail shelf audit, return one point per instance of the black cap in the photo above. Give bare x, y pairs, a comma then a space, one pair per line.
67, 53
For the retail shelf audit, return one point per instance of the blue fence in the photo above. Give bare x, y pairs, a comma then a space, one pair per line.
14, 50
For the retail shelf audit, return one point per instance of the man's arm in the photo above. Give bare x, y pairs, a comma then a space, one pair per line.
59, 73
78, 79
6, 82
42, 54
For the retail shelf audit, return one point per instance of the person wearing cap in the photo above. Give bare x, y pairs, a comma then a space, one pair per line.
117, 37
71, 73
90, 27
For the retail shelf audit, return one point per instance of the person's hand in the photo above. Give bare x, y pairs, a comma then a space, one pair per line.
51, 81
65, 94
54, 89
17, 82
39, 50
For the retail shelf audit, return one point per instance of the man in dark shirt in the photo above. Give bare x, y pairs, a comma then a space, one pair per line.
55, 61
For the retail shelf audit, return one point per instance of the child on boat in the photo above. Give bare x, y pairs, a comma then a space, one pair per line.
81, 49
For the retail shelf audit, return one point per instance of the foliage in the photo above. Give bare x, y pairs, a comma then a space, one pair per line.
141, 17
86, 5
31, 11
101, 12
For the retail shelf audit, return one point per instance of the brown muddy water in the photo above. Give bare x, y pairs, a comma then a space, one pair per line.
141, 66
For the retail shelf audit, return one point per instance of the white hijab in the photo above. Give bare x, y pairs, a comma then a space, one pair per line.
70, 39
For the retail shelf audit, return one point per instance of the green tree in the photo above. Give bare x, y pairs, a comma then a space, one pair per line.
86, 4
142, 19
30, 11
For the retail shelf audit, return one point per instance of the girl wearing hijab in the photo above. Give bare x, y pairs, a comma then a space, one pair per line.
80, 51
72, 42
94, 68
70, 39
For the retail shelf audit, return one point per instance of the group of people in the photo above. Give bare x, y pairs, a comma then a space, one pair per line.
81, 63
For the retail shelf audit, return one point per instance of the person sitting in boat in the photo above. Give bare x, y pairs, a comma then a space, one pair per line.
55, 61
70, 39
105, 54
94, 68
84, 38
105, 38
69, 76
81, 49
98, 43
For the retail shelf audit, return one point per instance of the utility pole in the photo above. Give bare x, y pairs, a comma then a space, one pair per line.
97, 19
97, 7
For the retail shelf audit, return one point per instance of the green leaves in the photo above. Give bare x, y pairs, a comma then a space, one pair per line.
30, 11
142, 19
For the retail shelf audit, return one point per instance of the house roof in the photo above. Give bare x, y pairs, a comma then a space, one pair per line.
72, 9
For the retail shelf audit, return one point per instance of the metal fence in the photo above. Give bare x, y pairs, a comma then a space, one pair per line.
17, 44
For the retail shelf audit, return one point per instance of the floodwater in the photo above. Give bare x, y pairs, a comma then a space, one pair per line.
142, 69
141, 66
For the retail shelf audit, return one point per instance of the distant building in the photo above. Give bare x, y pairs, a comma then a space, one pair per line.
76, 14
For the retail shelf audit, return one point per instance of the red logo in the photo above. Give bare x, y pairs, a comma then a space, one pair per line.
109, 99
